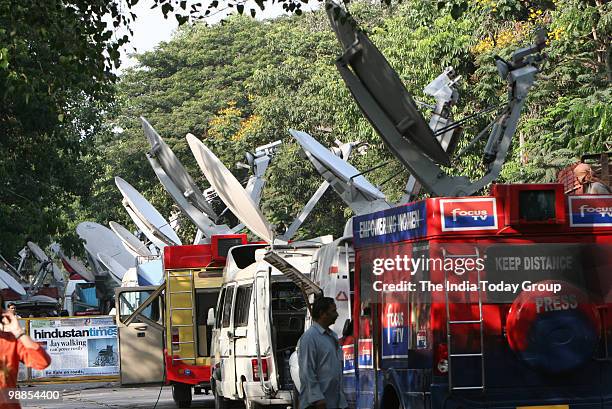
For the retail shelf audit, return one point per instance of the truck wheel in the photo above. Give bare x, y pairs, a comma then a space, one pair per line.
181, 394
390, 400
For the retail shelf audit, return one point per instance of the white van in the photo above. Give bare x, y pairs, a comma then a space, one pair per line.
259, 319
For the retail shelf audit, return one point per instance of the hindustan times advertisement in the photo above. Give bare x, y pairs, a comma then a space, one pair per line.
77, 346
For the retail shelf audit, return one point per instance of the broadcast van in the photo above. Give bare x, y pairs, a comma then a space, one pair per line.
260, 317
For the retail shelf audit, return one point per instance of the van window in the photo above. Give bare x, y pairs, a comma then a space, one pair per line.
129, 301
227, 307
286, 296
243, 303
220, 309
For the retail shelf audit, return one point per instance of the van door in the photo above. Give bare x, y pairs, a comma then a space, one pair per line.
263, 329
242, 343
140, 338
226, 344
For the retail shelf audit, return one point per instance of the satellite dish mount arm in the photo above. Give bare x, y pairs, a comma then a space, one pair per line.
519, 74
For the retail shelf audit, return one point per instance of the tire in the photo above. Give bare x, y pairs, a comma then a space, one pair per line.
181, 394
391, 400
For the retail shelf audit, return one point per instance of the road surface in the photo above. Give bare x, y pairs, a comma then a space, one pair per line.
110, 396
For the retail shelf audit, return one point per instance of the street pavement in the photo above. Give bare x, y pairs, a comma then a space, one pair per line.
109, 395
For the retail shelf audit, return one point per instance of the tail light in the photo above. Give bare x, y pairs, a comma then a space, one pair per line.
264, 369
441, 359
175, 339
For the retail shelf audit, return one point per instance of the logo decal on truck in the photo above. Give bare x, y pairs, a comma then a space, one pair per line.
390, 226
590, 211
468, 214
395, 334
365, 353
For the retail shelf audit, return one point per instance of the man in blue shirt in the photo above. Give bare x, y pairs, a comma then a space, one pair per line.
320, 360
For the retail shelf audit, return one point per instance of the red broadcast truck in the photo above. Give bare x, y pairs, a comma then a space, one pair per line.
165, 332
501, 301
194, 275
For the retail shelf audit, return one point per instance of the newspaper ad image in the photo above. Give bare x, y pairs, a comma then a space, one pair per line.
77, 346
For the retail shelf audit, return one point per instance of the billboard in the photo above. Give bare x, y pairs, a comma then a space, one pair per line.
79, 347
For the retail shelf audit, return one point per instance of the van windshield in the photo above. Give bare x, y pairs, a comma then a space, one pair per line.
286, 296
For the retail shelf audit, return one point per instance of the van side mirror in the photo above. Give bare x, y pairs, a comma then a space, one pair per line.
347, 330
210, 320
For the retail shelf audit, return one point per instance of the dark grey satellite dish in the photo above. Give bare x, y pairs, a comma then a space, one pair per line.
175, 171
382, 96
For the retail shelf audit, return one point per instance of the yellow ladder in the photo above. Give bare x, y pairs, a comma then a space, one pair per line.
181, 312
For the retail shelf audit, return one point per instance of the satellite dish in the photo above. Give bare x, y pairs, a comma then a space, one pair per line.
175, 171
3, 285
42, 257
42, 298
11, 283
156, 228
200, 219
150, 273
131, 242
57, 273
332, 163
230, 190
38, 252
372, 70
116, 270
97, 268
100, 239
72, 265
130, 278
144, 227
78, 267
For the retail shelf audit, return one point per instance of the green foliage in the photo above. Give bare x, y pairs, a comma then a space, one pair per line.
294, 84
244, 83
54, 83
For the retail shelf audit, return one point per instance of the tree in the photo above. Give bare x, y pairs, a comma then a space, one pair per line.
294, 85
55, 83
69, 129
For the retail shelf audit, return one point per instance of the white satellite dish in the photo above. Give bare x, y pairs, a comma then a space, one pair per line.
116, 270
42, 298
42, 257
342, 169
150, 273
131, 242
144, 227
72, 263
200, 219
175, 171
12, 283
130, 278
38, 252
230, 190
79, 268
157, 229
3, 285
100, 239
